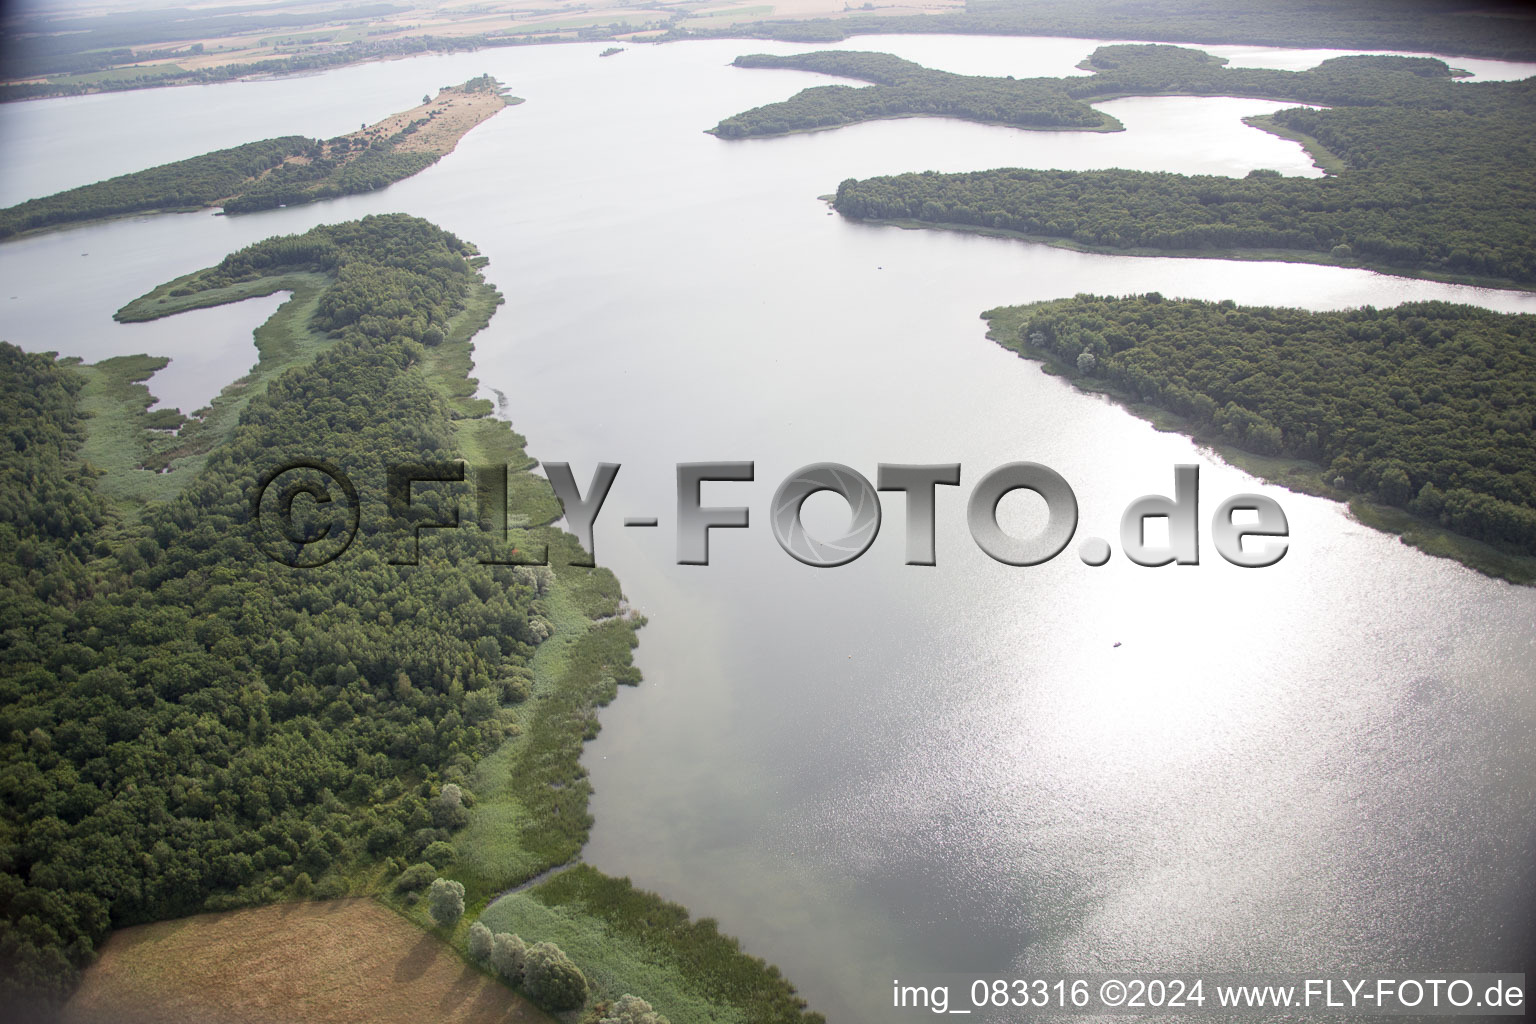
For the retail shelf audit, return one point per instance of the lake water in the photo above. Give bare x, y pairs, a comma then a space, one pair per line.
880, 770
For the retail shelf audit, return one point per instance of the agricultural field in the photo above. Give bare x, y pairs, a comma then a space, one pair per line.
344, 960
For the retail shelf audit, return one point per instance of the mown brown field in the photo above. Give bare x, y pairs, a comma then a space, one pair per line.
340, 961
457, 112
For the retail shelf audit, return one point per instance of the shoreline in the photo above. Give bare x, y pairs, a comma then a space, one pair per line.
850, 25
520, 854
1294, 474
1323, 158
400, 136
1111, 125
1247, 255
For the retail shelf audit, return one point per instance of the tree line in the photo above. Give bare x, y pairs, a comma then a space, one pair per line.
543, 971
904, 89
200, 181
185, 724
1436, 180
286, 171
1429, 407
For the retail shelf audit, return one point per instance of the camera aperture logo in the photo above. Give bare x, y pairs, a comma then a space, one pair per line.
307, 513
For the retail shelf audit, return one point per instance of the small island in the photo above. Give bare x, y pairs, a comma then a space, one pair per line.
286, 171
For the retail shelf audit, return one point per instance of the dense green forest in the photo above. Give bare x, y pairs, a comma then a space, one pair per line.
335, 174
1436, 176
287, 171
187, 724
195, 183
1429, 407
904, 89
1436, 26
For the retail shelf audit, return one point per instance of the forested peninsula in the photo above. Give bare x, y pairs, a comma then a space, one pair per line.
1426, 413
1423, 416
1434, 178
286, 171
188, 724
902, 88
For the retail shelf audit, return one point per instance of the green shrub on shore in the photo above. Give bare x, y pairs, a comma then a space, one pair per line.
445, 902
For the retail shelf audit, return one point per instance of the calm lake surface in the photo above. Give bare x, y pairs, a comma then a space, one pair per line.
879, 770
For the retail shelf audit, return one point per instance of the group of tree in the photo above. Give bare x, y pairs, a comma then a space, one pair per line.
904, 89
286, 171
541, 971
1438, 26
185, 723
628, 1009
901, 88
1436, 182
198, 182
345, 172
1430, 407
